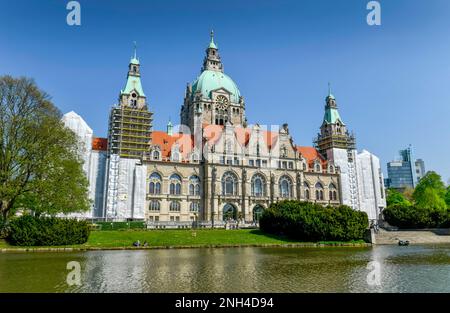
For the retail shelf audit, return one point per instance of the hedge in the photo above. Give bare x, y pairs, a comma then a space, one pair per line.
47, 231
409, 216
121, 225
312, 222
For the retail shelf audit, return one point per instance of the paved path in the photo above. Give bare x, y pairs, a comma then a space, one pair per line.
384, 237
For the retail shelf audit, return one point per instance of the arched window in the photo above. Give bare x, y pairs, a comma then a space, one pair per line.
194, 186
175, 184
229, 184
156, 155
319, 191
285, 185
331, 169
306, 185
174, 206
155, 184
194, 206
304, 166
258, 186
332, 192
318, 168
154, 205
197, 190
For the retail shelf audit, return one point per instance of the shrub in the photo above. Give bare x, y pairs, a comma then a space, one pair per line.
313, 222
409, 216
121, 225
4, 228
47, 231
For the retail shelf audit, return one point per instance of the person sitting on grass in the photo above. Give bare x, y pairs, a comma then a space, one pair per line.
137, 243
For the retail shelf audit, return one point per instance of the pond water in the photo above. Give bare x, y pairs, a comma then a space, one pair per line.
401, 269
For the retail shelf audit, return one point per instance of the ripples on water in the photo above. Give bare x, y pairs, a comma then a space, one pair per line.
403, 269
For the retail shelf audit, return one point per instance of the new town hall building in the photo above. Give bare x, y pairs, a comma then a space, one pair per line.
216, 167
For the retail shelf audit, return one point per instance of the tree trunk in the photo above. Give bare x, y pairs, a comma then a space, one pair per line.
4, 208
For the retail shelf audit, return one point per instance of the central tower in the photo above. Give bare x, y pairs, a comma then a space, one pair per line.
213, 98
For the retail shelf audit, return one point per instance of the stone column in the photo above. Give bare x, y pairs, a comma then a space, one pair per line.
244, 192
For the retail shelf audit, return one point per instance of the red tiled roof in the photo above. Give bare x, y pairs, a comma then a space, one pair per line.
213, 133
165, 142
311, 154
99, 144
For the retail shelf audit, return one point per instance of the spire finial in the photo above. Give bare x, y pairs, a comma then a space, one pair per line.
169, 127
135, 48
211, 42
330, 95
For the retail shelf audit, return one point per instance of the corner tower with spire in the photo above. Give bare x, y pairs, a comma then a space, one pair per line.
130, 120
333, 132
213, 98
337, 145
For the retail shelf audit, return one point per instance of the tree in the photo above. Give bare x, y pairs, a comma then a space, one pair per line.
40, 168
396, 198
430, 192
408, 194
447, 197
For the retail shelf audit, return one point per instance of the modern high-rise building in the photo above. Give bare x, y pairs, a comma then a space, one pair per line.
406, 171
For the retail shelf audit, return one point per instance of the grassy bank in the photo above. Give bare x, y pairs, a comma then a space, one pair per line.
185, 238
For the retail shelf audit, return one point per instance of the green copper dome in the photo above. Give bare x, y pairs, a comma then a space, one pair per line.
212, 80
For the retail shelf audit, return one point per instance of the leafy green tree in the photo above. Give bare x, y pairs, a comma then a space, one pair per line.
430, 192
39, 165
396, 198
447, 197
408, 194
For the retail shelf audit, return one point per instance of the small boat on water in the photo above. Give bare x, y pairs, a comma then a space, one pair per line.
403, 243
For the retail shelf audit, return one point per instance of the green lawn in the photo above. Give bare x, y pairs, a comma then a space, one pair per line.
204, 237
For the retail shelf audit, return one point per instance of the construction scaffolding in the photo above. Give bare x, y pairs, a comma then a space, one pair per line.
323, 143
130, 131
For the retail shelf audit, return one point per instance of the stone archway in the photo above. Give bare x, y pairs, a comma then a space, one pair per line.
229, 211
257, 212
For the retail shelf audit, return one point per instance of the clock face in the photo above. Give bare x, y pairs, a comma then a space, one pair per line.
222, 100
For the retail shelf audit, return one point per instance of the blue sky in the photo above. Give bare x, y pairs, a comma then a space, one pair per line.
391, 82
